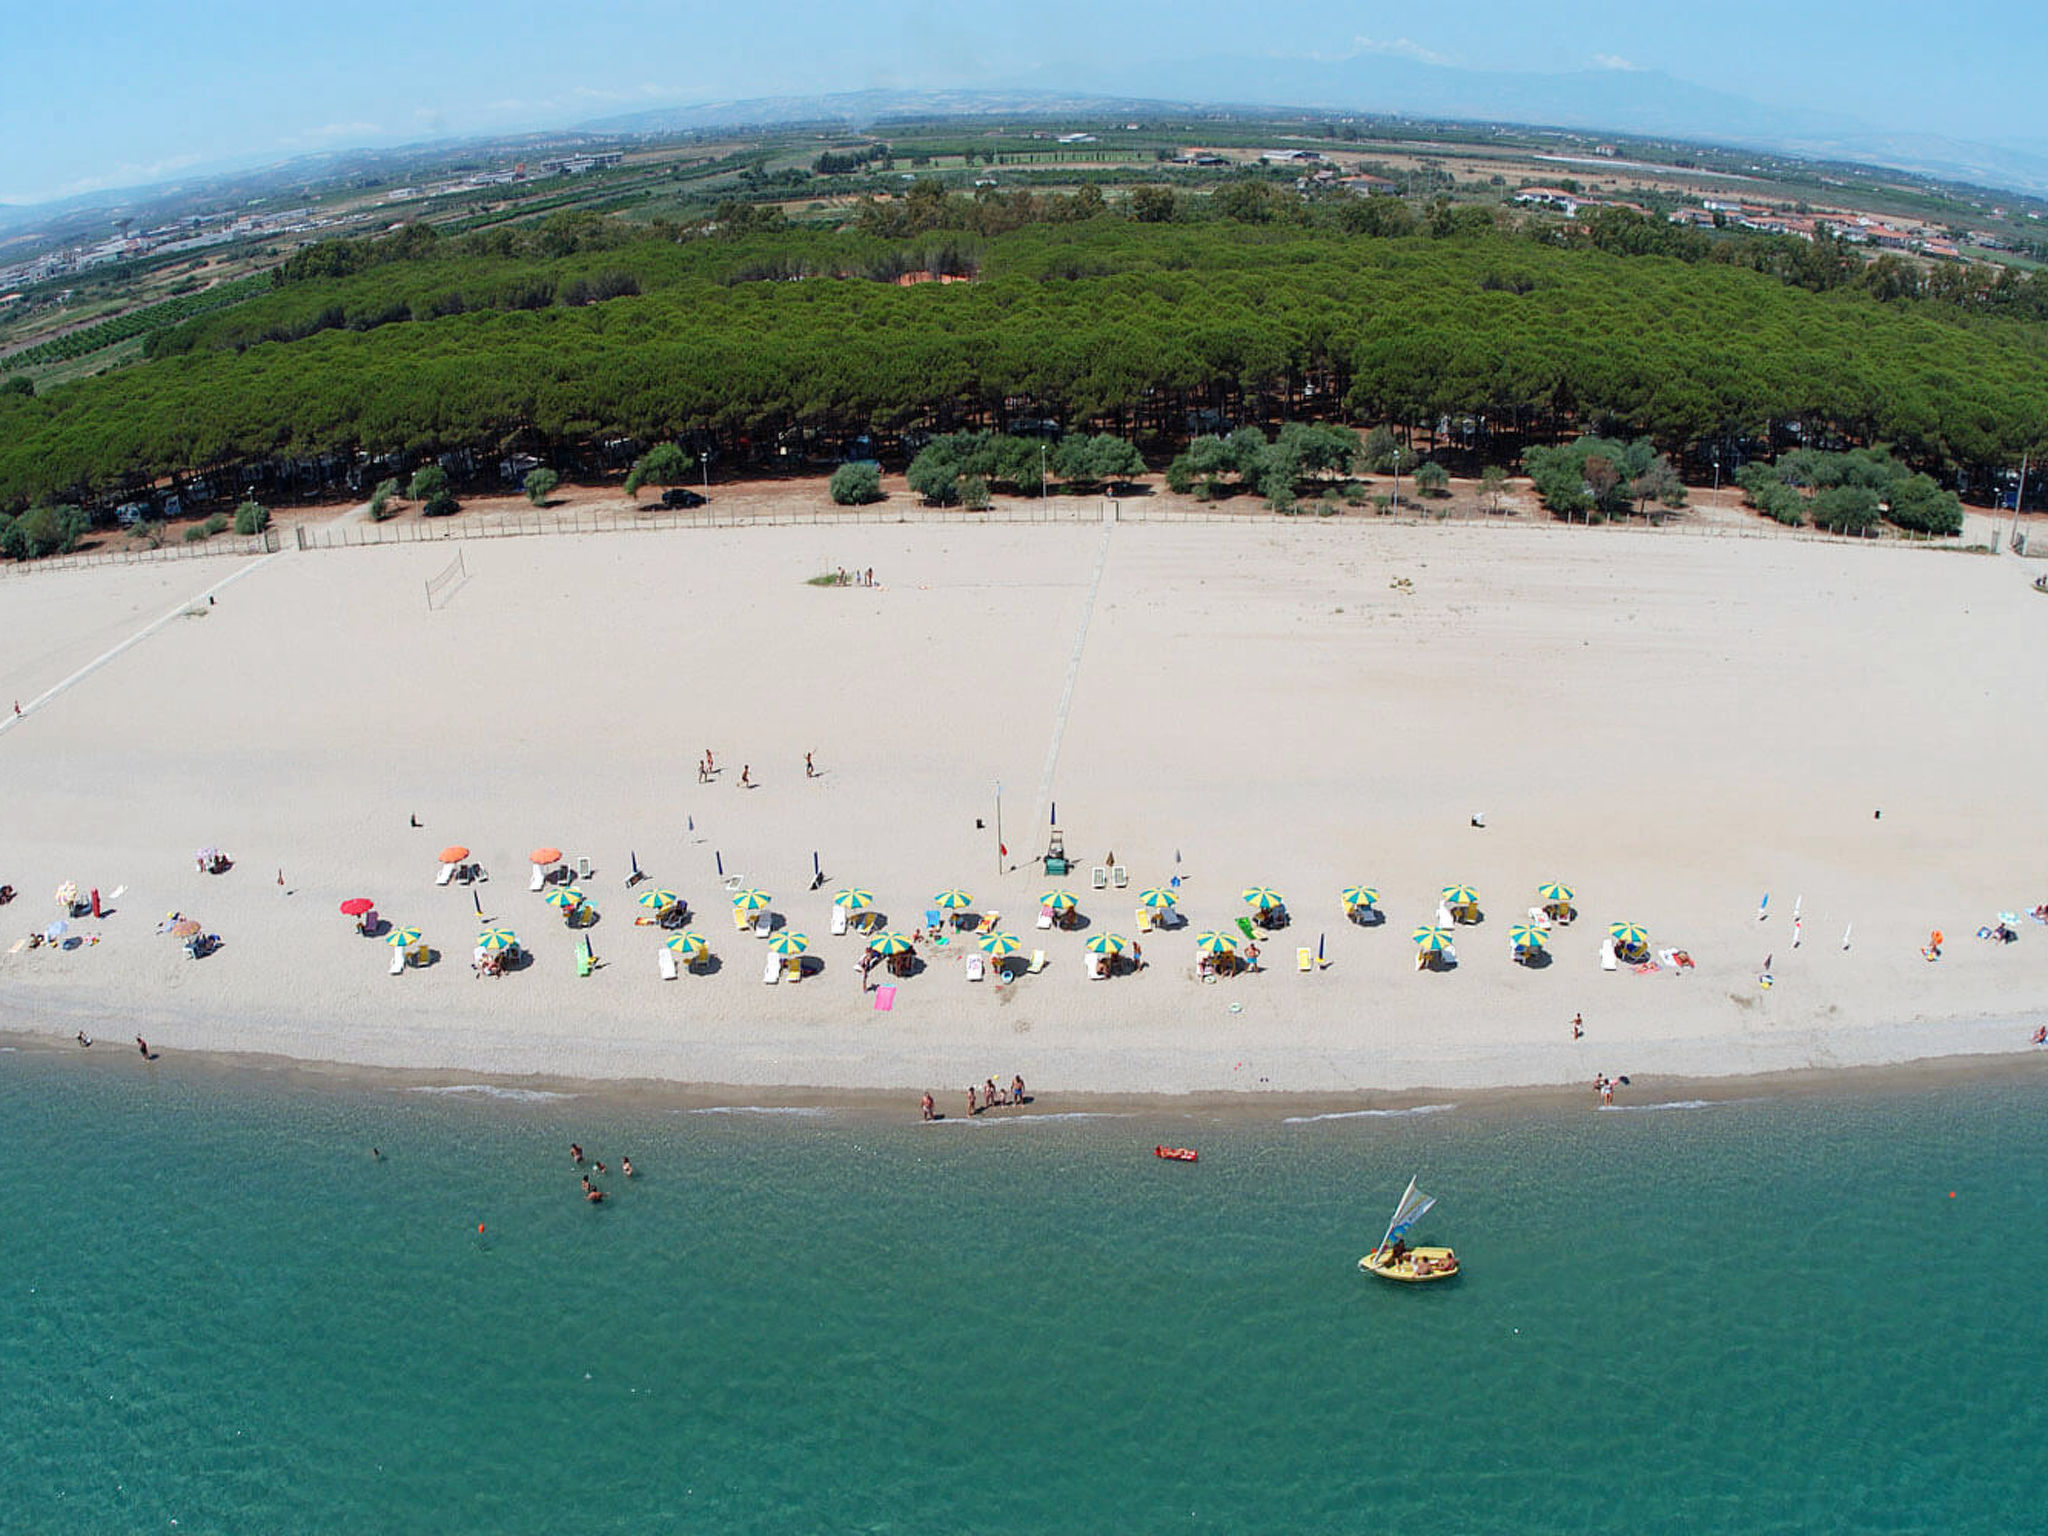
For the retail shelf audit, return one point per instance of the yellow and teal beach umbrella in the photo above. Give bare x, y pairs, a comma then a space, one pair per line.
1555, 895
1628, 936
1264, 897
785, 942
1059, 901
1104, 944
403, 938
891, 943
1210, 942
497, 940
1433, 939
954, 900
1523, 936
687, 943
1460, 896
1360, 896
853, 898
565, 897
1001, 944
751, 900
1155, 898
657, 898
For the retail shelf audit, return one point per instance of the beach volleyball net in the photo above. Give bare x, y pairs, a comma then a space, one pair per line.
442, 586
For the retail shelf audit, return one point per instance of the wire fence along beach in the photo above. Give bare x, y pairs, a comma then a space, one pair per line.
265, 543
516, 525
1138, 510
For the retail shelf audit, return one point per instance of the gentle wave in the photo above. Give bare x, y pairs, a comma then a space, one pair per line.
492, 1091
1065, 1114
760, 1109
1369, 1114
1644, 1109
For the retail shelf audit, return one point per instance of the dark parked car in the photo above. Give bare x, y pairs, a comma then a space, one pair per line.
679, 497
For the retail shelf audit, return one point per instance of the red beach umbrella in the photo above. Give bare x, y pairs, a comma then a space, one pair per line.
356, 906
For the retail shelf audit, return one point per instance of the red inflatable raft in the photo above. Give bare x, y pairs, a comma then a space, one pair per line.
1175, 1154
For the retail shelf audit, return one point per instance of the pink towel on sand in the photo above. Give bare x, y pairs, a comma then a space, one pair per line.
885, 999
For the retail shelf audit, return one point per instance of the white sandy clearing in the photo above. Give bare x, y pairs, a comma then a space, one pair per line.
1671, 724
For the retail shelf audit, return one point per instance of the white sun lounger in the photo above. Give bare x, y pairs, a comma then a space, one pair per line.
977, 967
447, 874
1098, 967
1099, 877
764, 925
668, 963
1607, 960
1119, 877
539, 878
1045, 917
397, 961
773, 973
838, 919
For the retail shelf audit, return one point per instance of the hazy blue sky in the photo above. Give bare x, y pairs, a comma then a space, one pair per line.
113, 92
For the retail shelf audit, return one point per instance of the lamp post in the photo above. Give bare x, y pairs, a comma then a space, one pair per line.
1042, 497
2019, 494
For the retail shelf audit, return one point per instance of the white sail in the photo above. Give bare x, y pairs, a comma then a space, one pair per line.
1414, 1204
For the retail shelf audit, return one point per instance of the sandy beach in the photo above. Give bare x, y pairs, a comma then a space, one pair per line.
1672, 725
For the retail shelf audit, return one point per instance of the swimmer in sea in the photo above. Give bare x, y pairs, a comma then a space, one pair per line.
575, 1154
586, 1183
595, 1196
626, 1166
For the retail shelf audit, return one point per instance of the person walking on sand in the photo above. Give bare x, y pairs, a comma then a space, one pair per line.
809, 771
746, 776
1578, 1026
1137, 957
972, 1107
1017, 1089
925, 1105
142, 1045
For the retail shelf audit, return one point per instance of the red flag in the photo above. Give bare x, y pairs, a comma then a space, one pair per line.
1003, 850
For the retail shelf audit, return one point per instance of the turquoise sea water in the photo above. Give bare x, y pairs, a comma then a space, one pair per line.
221, 1315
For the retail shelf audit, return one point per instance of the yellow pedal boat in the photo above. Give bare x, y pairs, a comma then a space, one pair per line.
1393, 1259
1415, 1266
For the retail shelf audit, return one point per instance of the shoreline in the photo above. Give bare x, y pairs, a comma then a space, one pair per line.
900, 1104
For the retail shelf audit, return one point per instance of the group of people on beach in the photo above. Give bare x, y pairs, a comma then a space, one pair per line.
591, 1192
990, 1095
707, 770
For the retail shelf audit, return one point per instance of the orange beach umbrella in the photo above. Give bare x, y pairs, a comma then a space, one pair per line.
543, 855
454, 853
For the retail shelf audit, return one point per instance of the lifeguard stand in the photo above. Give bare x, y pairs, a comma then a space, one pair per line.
1056, 853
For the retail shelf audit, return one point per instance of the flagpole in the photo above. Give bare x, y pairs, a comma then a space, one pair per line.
999, 826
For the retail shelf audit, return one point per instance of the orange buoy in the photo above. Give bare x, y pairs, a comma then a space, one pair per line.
1175, 1154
